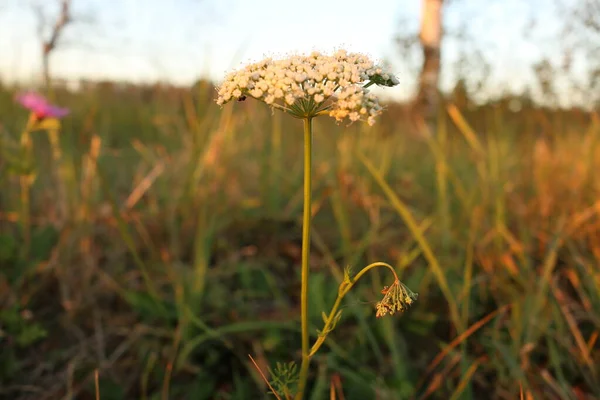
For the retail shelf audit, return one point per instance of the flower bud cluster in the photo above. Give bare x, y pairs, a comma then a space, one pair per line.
397, 298
307, 86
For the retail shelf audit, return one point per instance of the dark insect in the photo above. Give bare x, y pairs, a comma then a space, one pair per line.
242, 98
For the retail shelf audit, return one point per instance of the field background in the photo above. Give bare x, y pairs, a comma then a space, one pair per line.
165, 248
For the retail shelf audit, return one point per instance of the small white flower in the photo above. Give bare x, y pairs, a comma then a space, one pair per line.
300, 77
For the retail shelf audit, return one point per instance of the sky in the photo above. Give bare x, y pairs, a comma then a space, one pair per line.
181, 40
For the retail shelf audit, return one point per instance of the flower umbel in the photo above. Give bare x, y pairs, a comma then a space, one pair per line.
309, 86
39, 106
397, 298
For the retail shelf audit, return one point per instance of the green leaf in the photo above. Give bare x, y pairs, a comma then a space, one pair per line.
337, 318
8, 247
348, 274
24, 332
110, 390
31, 334
43, 242
284, 377
148, 307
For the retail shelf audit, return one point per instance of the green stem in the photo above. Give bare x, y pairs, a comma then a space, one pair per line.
26, 181
61, 175
306, 217
343, 290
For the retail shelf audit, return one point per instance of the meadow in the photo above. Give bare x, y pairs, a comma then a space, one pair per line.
165, 237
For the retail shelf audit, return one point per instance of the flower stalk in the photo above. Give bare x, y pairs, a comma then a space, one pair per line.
306, 87
43, 116
306, 218
393, 303
25, 181
343, 289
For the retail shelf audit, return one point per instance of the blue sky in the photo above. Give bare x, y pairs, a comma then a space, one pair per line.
179, 40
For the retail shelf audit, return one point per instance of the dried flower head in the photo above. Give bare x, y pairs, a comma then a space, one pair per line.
39, 106
308, 86
397, 298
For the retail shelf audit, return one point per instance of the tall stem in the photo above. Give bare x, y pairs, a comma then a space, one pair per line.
306, 217
60, 176
26, 180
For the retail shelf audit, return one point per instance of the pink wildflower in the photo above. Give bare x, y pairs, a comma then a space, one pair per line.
39, 106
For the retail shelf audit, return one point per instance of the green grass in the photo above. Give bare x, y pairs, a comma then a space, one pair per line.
179, 254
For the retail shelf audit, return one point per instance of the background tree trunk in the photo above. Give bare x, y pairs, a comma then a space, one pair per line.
426, 102
49, 45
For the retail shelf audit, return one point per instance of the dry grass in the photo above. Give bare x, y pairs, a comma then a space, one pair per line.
180, 251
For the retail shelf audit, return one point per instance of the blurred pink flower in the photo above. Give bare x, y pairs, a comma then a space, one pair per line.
38, 105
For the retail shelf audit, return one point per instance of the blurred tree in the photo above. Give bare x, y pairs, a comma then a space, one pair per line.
49, 44
581, 40
427, 99
460, 95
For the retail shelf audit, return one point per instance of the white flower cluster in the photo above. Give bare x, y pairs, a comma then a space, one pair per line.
307, 86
